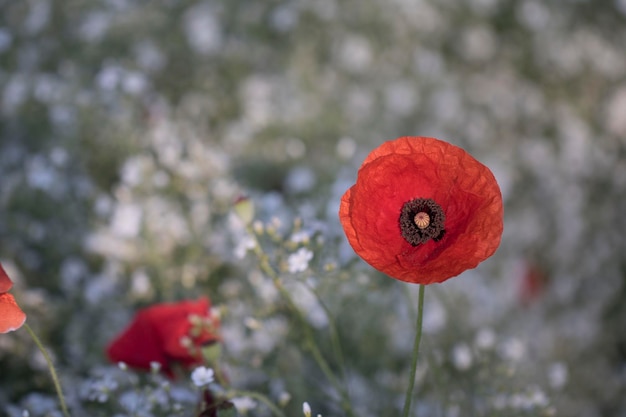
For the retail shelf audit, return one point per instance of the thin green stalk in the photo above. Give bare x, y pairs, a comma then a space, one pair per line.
53, 373
310, 343
260, 397
334, 334
416, 347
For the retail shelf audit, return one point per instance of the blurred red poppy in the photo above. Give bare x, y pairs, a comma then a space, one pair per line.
166, 333
422, 210
11, 315
533, 284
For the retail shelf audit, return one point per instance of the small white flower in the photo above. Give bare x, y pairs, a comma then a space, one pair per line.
243, 404
513, 349
557, 375
202, 376
306, 409
462, 357
122, 366
538, 398
284, 398
485, 339
299, 261
155, 366
301, 236
243, 246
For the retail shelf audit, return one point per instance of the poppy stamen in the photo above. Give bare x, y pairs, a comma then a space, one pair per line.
421, 219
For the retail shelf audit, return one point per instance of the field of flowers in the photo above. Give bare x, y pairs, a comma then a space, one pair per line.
171, 174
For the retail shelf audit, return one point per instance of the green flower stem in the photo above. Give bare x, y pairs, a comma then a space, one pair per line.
310, 343
334, 334
314, 349
416, 347
55, 378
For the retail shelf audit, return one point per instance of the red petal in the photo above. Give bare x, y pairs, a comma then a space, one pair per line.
5, 281
138, 345
174, 325
415, 167
156, 333
11, 316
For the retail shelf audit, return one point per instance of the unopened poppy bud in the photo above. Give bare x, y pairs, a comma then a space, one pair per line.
244, 208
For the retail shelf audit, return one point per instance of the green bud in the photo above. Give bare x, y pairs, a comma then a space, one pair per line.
244, 208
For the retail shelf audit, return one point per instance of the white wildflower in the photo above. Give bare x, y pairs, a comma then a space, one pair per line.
301, 236
126, 220
462, 357
203, 29
202, 376
155, 366
245, 244
243, 404
485, 339
284, 398
538, 398
557, 375
306, 409
513, 349
299, 261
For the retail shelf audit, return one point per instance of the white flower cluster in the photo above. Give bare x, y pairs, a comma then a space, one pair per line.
299, 261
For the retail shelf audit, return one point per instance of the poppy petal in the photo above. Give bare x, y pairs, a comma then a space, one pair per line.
411, 168
138, 345
5, 281
11, 316
156, 334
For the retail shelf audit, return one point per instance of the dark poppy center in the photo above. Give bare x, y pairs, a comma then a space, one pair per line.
422, 219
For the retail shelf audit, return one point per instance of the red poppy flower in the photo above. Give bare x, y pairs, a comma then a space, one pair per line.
422, 210
533, 283
11, 316
166, 333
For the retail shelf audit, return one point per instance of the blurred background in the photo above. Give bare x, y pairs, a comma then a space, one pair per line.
128, 128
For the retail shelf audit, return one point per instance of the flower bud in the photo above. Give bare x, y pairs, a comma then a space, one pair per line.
244, 209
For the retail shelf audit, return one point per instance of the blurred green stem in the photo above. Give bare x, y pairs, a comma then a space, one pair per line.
53, 373
310, 342
416, 348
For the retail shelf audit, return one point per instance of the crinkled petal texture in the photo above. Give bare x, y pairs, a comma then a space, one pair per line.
156, 335
11, 315
418, 167
5, 281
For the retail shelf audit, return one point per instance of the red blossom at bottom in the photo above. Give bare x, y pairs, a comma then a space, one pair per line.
167, 333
